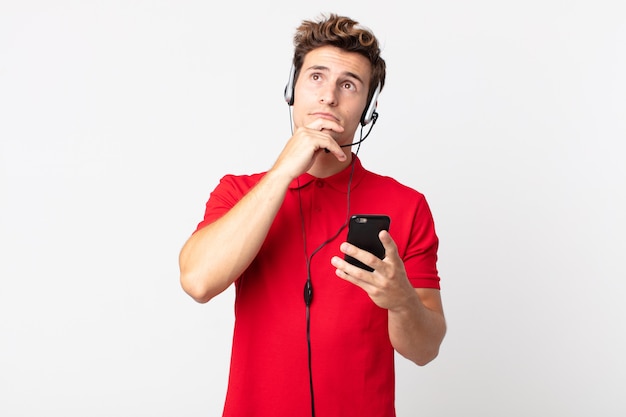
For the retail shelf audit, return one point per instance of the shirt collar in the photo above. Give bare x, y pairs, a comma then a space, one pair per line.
337, 181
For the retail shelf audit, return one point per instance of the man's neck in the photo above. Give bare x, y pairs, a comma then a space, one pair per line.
327, 165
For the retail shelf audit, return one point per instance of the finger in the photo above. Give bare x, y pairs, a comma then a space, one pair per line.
320, 140
335, 150
364, 256
388, 243
325, 124
330, 145
351, 273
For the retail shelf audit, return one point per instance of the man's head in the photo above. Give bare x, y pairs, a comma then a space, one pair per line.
343, 33
337, 69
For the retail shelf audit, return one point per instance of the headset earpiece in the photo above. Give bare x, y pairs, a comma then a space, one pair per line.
369, 114
290, 87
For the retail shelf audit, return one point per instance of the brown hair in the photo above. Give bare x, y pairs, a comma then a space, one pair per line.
344, 33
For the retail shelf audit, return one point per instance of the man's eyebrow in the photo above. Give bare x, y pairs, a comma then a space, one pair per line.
326, 69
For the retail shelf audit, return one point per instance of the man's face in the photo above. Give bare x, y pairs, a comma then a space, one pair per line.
332, 84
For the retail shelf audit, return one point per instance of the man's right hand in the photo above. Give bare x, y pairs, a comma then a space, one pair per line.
307, 144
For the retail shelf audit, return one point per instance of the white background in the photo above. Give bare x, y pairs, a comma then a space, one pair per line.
117, 119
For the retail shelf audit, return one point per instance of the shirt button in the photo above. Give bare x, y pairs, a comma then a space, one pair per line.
319, 183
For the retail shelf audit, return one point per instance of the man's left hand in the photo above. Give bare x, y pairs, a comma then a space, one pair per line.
388, 285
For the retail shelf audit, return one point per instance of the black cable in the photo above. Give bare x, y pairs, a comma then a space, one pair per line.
308, 287
362, 138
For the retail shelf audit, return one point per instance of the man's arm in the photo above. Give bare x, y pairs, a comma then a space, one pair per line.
215, 256
417, 327
416, 321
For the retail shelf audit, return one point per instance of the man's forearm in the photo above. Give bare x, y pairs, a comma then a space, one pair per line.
415, 330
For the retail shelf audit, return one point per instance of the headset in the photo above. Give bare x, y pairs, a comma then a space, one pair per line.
369, 114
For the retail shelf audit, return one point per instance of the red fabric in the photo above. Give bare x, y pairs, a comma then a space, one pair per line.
353, 360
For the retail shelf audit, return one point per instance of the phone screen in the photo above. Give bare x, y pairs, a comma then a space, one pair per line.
363, 233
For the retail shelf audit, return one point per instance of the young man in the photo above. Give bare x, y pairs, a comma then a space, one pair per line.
270, 233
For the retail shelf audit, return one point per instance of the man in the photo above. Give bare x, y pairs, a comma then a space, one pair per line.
270, 233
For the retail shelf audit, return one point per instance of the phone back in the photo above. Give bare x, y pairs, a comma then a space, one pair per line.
363, 233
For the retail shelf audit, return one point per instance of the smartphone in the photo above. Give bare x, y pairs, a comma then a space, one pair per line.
363, 232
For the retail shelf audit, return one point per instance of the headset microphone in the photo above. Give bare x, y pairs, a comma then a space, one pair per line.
374, 117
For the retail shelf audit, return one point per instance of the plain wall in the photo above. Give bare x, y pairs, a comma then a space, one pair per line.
118, 118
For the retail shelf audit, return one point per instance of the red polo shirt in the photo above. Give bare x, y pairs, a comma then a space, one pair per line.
352, 357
